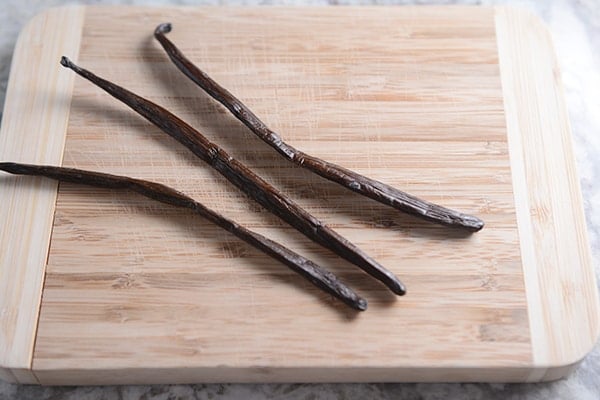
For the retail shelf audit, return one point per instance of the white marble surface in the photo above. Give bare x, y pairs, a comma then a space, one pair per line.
575, 26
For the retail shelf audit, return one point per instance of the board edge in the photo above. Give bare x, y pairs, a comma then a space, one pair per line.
38, 89
562, 297
275, 374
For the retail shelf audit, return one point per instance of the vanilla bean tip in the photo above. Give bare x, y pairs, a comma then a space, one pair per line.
361, 304
472, 223
398, 288
163, 28
66, 62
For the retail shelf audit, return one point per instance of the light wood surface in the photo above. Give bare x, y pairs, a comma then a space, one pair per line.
34, 124
419, 98
556, 259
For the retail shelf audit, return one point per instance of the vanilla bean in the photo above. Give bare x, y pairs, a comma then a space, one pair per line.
349, 179
318, 276
246, 180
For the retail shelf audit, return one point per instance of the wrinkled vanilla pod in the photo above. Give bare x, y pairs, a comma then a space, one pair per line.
246, 180
318, 276
349, 179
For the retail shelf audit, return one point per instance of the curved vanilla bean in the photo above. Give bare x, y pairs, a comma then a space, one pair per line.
358, 183
318, 276
246, 180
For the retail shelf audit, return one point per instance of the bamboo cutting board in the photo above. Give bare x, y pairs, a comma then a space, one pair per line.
460, 106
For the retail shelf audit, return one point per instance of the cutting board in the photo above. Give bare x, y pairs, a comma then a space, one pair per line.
461, 106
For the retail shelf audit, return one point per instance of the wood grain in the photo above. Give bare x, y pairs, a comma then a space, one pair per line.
419, 98
557, 267
378, 109
34, 126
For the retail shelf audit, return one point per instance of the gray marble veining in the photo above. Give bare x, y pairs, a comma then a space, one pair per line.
575, 27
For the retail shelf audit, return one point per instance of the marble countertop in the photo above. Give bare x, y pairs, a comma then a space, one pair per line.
575, 26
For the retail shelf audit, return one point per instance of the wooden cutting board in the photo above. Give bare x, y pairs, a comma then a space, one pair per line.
460, 106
